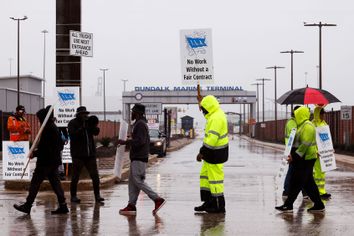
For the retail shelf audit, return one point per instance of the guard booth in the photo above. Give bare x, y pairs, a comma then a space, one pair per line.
187, 126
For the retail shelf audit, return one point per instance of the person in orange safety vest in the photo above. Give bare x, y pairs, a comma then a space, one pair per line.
18, 126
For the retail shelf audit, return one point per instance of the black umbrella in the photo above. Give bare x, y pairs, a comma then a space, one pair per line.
307, 96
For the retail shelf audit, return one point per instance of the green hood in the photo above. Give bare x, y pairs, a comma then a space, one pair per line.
316, 114
210, 103
301, 115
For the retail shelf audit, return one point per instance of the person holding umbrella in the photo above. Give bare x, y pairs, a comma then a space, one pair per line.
318, 175
303, 156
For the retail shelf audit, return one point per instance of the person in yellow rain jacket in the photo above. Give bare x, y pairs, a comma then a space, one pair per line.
18, 126
318, 175
303, 156
214, 153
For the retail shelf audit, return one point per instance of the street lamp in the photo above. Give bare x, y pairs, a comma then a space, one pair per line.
257, 84
275, 97
263, 79
320, 25
44, 47
124, 82
104, 92
18, 55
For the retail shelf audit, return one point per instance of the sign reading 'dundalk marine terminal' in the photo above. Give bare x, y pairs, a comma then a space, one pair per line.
196, 56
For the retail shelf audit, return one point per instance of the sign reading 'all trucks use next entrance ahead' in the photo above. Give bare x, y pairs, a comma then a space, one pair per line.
81, 44
196, 56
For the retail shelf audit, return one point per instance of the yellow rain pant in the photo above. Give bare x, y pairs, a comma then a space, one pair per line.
319, 177
212, 179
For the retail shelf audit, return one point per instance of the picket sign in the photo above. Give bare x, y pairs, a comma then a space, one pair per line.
119, 160
325, 148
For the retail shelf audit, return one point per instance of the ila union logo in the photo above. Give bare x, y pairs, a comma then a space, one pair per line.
324, 137
66, 98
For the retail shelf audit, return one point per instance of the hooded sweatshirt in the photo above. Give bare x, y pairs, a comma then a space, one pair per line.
50, 143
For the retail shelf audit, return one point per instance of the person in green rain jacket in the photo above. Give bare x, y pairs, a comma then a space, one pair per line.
303, 156
318, 175
214, 153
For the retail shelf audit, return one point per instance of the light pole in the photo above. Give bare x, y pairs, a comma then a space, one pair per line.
18, 55
124, 82
104, 92
44, 48
320, 25
263, 79
257, 84
10, 61
275, 97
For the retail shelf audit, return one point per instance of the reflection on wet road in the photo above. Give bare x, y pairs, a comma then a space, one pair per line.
250, 190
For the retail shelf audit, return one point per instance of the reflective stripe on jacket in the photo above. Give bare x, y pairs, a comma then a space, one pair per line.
216, 142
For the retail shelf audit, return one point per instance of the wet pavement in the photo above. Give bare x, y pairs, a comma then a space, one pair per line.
251, 193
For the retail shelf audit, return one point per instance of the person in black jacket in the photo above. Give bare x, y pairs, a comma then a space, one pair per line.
48, 160
83, 151
139, 156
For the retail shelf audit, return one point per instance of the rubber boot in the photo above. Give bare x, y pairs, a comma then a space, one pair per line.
217, 205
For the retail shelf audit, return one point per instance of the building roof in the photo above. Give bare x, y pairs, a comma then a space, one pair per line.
22, 77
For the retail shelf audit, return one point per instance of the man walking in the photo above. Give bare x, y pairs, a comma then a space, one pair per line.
48, 160
303, 156
214, 153
83, 151
18, 126
139, 156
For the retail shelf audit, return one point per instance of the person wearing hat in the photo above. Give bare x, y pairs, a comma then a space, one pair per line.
139, 156
18, 126
48, 159
83, 151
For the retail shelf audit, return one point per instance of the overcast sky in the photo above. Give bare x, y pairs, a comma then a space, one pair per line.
138, 40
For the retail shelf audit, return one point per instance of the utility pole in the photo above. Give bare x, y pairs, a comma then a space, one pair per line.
263, 79
320, 25
44, 49
18, 55
292, 68
257, 84
104, 92
275, 97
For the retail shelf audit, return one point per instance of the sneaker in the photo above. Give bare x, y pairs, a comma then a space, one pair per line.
75, 199
326, 196
62, 209
99, 199
315, 209
158, 204
284, 208
25, 208
129, 210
